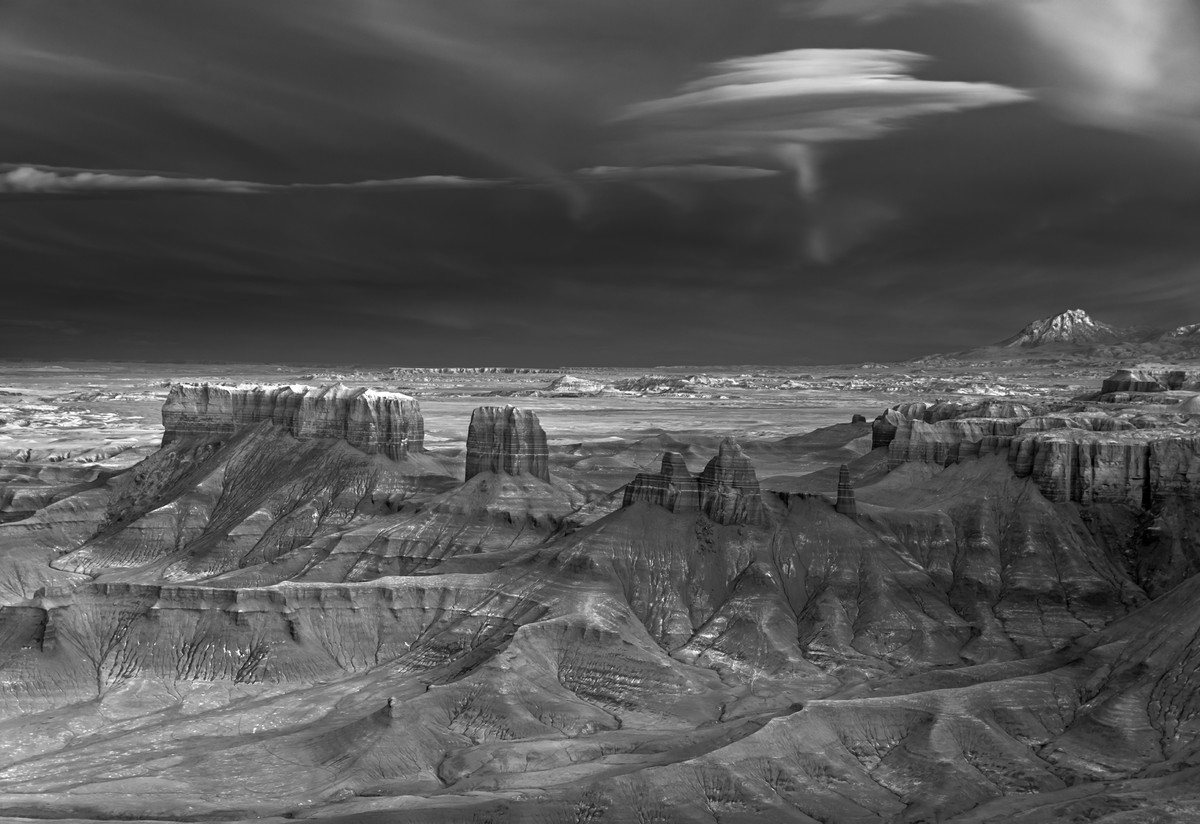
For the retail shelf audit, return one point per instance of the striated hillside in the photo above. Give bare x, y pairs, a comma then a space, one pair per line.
974, 611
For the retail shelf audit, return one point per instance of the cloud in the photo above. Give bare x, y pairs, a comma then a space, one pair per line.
776, 108
754, 106
28, 180
40, 180
37, 180
698, 172
1132, 65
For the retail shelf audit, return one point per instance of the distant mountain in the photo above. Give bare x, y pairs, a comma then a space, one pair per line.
1074, 335
1073, 326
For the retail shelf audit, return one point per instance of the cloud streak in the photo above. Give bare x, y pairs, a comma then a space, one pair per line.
38, 180
27, 179
776, 108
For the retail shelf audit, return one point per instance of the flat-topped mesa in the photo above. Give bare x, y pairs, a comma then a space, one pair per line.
729, 491
726, 491
1141, 381
674, 488
1127, 380
886, 427
386, 423
846, 504
505, 439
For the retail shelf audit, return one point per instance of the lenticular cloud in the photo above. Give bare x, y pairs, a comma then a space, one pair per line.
776, 108
755, 105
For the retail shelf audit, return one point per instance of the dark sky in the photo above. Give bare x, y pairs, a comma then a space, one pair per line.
624, 182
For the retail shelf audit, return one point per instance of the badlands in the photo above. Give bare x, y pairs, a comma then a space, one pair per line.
965, 588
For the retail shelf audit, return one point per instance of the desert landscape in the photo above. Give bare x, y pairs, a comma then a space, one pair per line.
962, 588
600, 411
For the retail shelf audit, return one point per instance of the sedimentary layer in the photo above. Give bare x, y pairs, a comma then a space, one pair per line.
505, 439
727, 490
387, 423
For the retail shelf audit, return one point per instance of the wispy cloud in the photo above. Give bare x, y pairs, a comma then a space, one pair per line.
1132, 65
777, 108
700, 172
17, 180
39, 180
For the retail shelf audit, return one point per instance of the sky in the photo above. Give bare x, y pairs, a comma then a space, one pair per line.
590, 182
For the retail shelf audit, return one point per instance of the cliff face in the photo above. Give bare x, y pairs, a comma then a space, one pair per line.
846, 503
727, 490
386, 423
674, 487
1138, 467
1126, 380
886, 426
507, 440
1085, 457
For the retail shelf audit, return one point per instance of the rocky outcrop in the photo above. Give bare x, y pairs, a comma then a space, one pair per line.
508, 440
727, 490
386, 423
1126, 380
947, 442
846, 504
674, 487
886, 426
1077, 454
1136, 467
570, 386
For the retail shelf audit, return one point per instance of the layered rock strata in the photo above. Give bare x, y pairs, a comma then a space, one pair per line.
1126, 380
846, 504
674, 487
386, 423
727, 491
508, 440
885, 427
1087, 457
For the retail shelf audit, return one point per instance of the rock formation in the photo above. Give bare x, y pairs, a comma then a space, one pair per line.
858, 419
1135, 467
386, 423
1086, 457
505, 439
674, 487
729, 492
726, 490
1126, 380
885, 427
846, 504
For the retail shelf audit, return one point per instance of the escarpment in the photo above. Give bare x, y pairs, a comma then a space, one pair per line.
727, 490
1088, 456
508, 440
386, 423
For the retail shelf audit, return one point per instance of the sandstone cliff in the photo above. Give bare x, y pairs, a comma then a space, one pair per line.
1087, 457
846, 504
674, 487
505, 439
726, 490
386, 423
1126, 380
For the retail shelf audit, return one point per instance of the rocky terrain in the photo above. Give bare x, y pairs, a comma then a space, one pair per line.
348, 603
